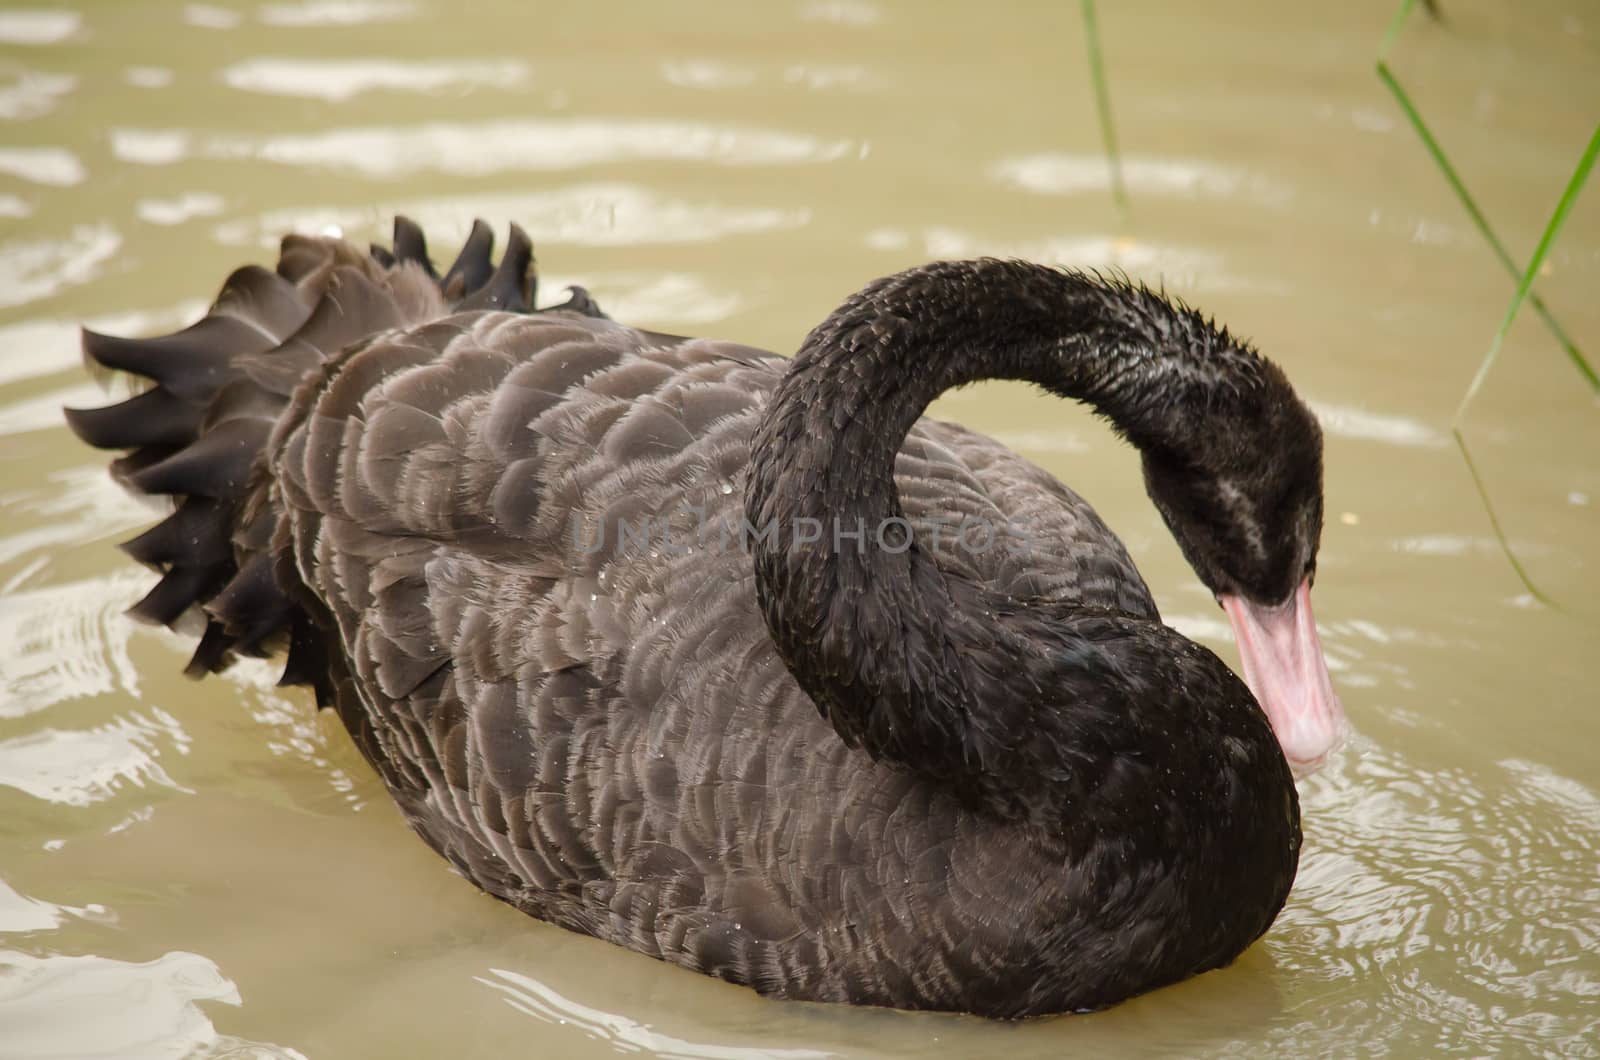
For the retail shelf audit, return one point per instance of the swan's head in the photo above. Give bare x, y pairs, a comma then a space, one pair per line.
1243, 498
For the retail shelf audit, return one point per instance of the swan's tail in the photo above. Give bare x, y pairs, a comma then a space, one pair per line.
217, 387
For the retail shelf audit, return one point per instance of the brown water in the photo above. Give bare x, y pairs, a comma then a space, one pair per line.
210, 868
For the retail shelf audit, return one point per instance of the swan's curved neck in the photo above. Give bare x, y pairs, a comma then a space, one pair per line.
929, 670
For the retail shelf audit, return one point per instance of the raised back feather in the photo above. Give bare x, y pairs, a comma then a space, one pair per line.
215, 391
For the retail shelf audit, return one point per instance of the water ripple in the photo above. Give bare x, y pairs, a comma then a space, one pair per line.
33, 348
823, 76
1063, 174
42, 165
532, 144
148, 76
185, 207
80, 767
623, 1033
34, 269
483, 148
69, 506
150, 147
1048, 441
43, 411
337, 80
1350, 422
67, 641
588, 214
33, 93
842, 12
38, 27
20, 914
208, 17
317, 13
1187, 267
706, 73
656, 297
95, 1007
1407, 869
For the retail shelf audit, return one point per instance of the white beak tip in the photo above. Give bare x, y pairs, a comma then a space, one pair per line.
1285, 669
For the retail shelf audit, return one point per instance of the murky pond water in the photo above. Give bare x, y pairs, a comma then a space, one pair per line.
210, 868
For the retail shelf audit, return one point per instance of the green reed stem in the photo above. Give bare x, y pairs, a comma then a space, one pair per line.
1102, 98
1494, 521
1574, 354
1557, 219
1524, 277
1393, 31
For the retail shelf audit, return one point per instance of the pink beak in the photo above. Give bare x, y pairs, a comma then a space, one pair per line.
1284, 667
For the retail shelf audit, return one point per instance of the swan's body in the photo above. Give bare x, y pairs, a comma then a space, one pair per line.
523, 555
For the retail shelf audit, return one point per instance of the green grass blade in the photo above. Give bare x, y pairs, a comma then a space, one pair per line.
1574, 354
1390, 34
1102, 98
1494, 521
1557, 219
1524, 277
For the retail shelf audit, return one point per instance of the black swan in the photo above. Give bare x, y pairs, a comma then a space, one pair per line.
659, 639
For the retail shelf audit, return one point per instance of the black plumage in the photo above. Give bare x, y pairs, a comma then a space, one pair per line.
895, 770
